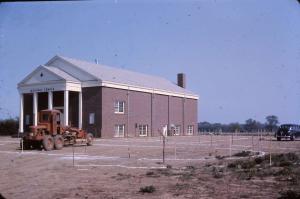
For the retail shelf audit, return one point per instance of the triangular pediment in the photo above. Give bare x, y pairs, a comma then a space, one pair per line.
41, 75
70, 68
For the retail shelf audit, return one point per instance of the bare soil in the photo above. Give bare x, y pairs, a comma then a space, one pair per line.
195, 167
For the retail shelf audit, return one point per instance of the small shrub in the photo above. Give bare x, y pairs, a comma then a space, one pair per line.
147, 189
150, 173
1, 196
259, 160
289, 194
169, 166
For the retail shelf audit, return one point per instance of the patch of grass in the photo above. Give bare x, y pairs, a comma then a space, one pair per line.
147, 189
190, 167
152, 174
284, 159
186, 176
220, 157
121, 176
242, 164
243, 154
181, 186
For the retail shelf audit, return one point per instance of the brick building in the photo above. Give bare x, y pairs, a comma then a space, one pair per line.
107, 101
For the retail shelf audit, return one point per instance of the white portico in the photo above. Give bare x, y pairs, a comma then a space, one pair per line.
49, 88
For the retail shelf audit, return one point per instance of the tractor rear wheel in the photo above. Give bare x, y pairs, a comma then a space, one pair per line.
58, 142
89, 139
48, 143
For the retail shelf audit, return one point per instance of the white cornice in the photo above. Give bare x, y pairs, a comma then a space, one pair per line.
146, 90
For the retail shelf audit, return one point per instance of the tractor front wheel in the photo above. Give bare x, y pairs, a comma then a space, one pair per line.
58, 142
89, 139
48, 143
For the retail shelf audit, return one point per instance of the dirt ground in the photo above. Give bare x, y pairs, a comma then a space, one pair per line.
195, 167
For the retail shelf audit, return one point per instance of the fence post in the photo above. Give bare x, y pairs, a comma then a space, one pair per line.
22, 143
230, 143
163, 149
252, 143
211, 147
175, 151
128, 152
73, 155
270, 147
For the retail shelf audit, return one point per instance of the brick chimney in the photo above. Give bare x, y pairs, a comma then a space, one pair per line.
181, 81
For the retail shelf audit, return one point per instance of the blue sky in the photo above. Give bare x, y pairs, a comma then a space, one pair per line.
241, 57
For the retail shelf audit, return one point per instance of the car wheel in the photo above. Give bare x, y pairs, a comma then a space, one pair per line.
278, 138
292, 138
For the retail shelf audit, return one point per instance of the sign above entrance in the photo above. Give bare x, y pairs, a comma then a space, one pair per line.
41, 90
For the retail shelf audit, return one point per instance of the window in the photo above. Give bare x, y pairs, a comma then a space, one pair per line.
119, 106
92, 118
190, 130
143, 130
119, 130
45, 117
177, 130
27, 119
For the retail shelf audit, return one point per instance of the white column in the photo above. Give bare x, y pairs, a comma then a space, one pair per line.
80, 110
35, 112
50, 100
21, 116
66, 108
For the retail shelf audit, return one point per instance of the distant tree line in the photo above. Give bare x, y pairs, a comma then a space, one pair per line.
250, 125
9, 126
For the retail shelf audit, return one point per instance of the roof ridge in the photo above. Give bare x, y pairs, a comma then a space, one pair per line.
115, 68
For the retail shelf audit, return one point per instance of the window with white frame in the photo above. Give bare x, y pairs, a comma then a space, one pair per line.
92, 118
119, 106
177, 130
143, 130
119, 130
190, 130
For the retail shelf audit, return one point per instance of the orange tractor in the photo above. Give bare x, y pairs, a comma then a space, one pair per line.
50, 134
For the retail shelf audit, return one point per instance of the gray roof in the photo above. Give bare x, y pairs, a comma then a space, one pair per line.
122, 76
61, 73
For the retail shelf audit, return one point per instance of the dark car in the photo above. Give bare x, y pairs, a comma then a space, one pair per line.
290, 131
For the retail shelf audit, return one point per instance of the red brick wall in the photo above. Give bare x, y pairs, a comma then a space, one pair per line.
190, 114
109, 118
160, 113
176, 112
138, 110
